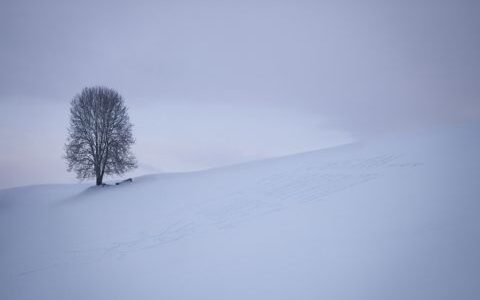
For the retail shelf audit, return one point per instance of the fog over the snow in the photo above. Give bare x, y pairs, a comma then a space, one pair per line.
210, 83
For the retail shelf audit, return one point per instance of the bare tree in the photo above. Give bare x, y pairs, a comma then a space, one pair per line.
99, 135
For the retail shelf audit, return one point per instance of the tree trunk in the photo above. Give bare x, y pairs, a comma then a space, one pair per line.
99, 178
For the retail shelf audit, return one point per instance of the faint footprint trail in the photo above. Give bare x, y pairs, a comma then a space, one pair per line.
275, 191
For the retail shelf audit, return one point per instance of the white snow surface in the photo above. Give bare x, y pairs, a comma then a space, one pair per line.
396, 219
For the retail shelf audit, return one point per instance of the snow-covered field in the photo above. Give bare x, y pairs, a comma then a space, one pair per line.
394, 219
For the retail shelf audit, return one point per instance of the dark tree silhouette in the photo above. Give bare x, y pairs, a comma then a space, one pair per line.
99, 135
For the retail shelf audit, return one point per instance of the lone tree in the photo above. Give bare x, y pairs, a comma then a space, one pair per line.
99, 135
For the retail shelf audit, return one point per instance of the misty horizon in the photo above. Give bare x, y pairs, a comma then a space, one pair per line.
216, 83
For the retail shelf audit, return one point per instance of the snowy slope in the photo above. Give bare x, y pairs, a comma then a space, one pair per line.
396, 219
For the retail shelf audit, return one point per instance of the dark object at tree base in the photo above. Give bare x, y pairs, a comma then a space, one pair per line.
124, 181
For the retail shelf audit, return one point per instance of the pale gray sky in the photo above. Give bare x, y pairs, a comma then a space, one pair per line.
217, 82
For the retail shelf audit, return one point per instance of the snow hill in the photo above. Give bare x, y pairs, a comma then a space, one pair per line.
397, 219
